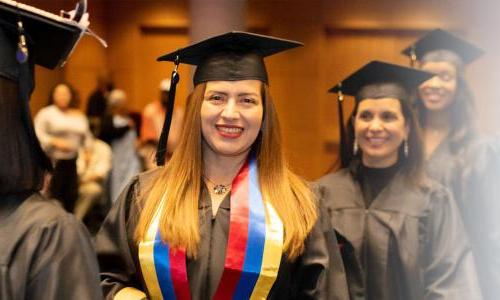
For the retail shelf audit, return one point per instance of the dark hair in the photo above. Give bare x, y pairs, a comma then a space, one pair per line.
25, 169
410, 166
463, 125
75, 99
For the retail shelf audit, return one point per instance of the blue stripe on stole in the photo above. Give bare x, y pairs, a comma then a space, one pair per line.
256, 237
162, 264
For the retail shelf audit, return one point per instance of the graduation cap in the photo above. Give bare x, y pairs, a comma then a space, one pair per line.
230, 56
375, 80
30, 36
446, 43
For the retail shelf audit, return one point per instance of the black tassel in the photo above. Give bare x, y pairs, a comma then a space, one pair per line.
413, 57
162, 144
344, 151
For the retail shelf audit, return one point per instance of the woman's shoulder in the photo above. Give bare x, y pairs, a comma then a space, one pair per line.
47, 110
335, 179
140, 185
482, 151
434, 192
42, 211
42, 218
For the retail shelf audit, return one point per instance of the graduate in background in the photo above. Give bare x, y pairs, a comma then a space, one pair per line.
400, 234
45, 253
456, 153
225, 218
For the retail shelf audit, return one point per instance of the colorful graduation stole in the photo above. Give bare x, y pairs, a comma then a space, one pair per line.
253, 255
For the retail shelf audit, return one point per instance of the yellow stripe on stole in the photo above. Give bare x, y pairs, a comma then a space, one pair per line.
273, 250
129, 293
147, 260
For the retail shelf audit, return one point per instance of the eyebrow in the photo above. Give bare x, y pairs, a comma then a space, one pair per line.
225, 94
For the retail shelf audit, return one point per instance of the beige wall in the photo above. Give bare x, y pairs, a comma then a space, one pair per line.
339, 36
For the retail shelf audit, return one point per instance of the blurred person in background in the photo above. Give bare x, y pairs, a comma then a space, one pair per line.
96, 104
93, 167
153, 117
45, 253
62, 130
118, 130
457, 154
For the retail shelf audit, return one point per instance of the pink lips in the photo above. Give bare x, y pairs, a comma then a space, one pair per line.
229, 131
376, 141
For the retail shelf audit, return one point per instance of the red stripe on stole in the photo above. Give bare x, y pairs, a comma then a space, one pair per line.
238, 236
178, 273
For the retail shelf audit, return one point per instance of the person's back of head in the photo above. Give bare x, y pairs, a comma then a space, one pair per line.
22, 169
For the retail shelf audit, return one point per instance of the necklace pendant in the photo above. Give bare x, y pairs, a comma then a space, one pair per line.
220, 189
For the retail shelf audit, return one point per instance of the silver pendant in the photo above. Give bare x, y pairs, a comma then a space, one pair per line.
220, 189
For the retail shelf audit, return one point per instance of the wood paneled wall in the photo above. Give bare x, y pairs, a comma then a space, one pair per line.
339, 36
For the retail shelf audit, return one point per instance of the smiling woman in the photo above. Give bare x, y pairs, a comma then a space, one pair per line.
225, 218
457, 154
401, 235
231, 117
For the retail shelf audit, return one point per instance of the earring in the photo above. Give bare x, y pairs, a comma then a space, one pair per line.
355, 148
405, 148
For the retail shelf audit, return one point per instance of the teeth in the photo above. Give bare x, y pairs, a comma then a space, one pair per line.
230, 129
376, 140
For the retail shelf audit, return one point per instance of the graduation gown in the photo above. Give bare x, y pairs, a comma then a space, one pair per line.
408, 244
473, 176
120, 268
45, 253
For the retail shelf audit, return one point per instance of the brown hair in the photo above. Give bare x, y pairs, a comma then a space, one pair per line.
181, 180
27, 166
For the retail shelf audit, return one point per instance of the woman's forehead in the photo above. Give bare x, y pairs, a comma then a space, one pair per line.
245, 86
380, 104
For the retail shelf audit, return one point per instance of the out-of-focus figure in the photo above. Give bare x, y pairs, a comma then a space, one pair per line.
153, 117
62, 130
93, 166
96, 104
118, 130
457, 154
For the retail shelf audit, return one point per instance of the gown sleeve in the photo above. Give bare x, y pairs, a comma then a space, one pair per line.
480, 205
322, 249
448, 264
64, 265
313, 266
116, 250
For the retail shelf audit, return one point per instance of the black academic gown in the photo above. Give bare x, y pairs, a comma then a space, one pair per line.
473, 175
45, 253
118, 258
408, 244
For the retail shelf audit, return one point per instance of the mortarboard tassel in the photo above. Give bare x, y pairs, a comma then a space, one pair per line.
22, 48
162, 144
413, 56
344, 151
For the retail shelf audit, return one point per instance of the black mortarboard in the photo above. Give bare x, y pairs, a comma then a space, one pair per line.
52, 37
442, 40
231, 56
228, 57
376, 80
29, 36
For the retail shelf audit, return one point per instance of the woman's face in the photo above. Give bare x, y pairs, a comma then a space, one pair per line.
62, 96
438, 92
380, 128
231, 116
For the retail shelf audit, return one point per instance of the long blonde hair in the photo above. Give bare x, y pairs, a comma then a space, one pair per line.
181, 180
